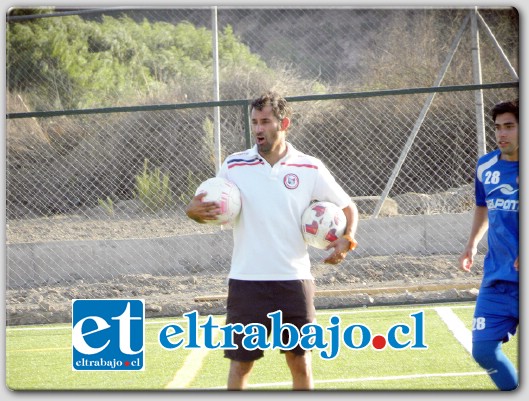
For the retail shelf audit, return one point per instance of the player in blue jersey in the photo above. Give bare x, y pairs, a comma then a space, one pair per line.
496, 315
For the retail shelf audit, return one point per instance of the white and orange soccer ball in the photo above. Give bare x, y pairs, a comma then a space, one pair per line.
226, 194
322, 223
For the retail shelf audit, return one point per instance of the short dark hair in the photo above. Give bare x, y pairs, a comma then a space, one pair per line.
510, 106
280, 106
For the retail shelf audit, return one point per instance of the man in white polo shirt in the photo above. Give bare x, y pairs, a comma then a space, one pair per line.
270, 267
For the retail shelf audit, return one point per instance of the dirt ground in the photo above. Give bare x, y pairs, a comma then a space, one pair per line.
356, 282
362, 282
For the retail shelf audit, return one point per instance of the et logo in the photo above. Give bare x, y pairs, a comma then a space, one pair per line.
108, 334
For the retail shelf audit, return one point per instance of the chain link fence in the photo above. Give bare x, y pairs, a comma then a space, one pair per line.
96, 196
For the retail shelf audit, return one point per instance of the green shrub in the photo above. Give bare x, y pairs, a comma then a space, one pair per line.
152, 188
192, 184
107, 205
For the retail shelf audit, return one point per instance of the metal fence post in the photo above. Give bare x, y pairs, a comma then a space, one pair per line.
216, 91
478, 94
247, 129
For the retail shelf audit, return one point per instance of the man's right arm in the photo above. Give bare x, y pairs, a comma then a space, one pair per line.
480, 224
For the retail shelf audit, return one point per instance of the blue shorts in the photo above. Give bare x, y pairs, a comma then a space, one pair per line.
497, 312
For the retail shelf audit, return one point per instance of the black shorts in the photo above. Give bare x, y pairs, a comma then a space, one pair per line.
250, 302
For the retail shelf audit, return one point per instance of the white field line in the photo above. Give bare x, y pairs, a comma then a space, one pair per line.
69, 327
192, 364
392, 310
318, 313
456, 326
364, 379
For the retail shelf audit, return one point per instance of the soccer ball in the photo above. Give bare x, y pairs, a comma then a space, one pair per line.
226, 194
322, 223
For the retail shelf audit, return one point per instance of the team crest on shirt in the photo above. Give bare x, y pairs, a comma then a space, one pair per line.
291, 181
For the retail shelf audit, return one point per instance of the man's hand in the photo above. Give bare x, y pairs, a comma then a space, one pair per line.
202, 211
341, 247
466, 260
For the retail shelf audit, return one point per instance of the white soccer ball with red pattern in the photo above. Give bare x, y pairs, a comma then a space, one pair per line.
322, 223
226, 194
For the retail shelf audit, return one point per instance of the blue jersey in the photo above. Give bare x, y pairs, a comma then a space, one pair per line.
496, 186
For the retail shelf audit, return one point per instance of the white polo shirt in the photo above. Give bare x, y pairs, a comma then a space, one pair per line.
268, 243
